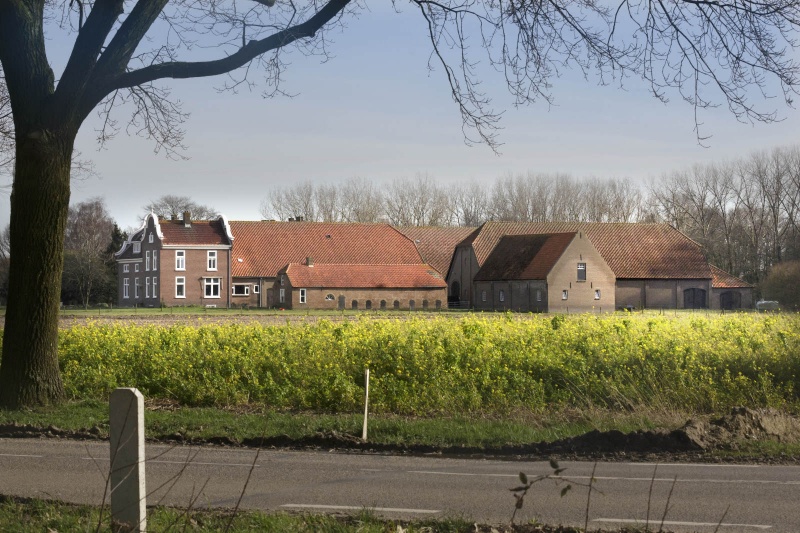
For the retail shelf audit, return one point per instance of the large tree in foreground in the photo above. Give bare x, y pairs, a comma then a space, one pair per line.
705, 51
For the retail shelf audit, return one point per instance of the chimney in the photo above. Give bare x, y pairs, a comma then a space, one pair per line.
187, 219
309, 261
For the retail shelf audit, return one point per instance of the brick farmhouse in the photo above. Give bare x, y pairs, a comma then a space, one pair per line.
538, 267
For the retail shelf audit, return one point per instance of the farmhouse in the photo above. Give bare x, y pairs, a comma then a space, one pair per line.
500, 265
176, 262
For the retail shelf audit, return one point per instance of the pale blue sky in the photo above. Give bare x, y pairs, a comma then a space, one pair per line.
376, 112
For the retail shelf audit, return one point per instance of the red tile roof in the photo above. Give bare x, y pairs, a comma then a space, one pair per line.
524, 257
436, 245
364, 276
723, 280
199, 233
633, 251
261, 249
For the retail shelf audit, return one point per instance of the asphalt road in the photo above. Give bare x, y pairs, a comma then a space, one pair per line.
745, 498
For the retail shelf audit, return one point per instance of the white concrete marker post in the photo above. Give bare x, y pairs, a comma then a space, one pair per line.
128, 495
366, 404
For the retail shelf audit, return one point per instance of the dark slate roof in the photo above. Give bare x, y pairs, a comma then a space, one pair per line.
261, 249
524, 257
436, 245
632, 251
364, 276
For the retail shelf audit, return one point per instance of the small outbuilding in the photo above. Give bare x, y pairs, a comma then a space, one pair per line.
729, 292
333, 286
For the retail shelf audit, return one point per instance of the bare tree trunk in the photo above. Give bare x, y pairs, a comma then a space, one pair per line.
29, 373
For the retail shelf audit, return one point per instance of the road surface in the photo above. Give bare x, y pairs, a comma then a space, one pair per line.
746, 498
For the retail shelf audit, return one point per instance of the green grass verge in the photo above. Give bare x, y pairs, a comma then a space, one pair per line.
24, 516
207, 422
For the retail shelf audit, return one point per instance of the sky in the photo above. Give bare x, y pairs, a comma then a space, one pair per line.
375, 111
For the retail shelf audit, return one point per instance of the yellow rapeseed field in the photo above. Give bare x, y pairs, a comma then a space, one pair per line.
472, 364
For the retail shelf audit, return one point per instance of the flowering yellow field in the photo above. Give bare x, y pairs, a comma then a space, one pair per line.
478, 363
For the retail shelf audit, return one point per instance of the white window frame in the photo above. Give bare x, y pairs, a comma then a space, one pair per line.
137, 247
597, 294
180, 259
246, 289
136, 285
282, 296
155, 260
565, 294
211, 260
136, 267
180, 281
303, 296
212, 286
147, 287
581, 267
147, 261
126, 285
256, 288
155, 287
126, 268
150, 238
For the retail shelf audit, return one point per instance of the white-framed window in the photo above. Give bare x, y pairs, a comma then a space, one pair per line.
147, 261
155, 260
136, 267
150, 238
180, 287
256, 289
564, 294
212, 260
180, 259
155, 287
329, 297
240, 290
125, 287
597, 294
282, 281
126, 268
212, 287
147, 287
282, 295
502, 295
581, 271
302, 296
483, 296
136, 288
137, 247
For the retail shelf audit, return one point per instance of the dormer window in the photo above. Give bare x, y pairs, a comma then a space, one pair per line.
137, 247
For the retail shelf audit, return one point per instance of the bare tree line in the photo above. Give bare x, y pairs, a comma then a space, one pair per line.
421, 201
744, 213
